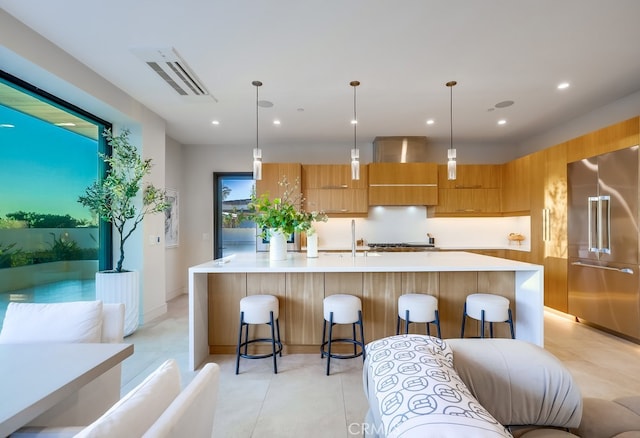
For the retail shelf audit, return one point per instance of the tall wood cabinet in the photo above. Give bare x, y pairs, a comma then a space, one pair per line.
329, 188
549, 221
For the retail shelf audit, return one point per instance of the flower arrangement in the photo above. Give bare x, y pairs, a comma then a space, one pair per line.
284, 213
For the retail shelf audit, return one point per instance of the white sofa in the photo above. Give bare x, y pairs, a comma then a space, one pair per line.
423, 386
79, 321
156, 408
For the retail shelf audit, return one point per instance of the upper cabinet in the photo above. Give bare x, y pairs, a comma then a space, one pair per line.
329, 187
273, 173
516, 186
611, 138
476, 191
403, 184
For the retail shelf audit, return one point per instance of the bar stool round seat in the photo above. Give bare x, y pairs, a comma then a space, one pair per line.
487, 308
259, 309
418, 308
341, 309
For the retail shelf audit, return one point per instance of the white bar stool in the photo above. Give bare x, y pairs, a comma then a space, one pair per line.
418, 308
342, 309
487, 308
259, 309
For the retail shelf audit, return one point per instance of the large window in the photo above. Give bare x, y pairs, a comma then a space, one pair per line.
50, 245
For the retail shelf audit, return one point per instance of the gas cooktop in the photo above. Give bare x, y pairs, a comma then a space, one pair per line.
401, 245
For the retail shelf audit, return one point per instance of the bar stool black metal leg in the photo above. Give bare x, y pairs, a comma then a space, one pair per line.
398, 325
513, 335
438, 324
491, 329
355, 346
482, 324
329, 342
406, 322
324, 337
364, 353
239, 342
464, 317
278, 332
273, 343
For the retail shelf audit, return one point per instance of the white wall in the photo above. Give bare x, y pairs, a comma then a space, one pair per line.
29, 56
176, 267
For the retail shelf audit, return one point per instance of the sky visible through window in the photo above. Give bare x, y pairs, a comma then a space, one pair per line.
43, 167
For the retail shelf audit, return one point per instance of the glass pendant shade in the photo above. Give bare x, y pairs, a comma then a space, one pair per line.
451, 164
257, 164
355, 164
451, 152
355, 152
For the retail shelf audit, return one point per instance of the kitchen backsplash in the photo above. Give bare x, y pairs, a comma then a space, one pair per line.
410, 224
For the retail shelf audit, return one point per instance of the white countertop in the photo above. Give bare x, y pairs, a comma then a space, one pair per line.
429, 261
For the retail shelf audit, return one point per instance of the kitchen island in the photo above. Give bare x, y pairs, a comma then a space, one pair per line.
301, 283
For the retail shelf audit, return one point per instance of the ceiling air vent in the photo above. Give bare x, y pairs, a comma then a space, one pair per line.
168, 64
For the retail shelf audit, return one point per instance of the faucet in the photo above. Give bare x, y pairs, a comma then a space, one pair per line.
353, 237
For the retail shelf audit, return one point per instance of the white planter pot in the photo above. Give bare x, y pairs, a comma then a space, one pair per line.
312, 245
277, 245
121, 287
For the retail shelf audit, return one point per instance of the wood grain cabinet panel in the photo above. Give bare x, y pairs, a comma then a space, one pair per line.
516, 187
272, 174
304, 295
476, 191
403, 184
224, 295
380, 296
329, 187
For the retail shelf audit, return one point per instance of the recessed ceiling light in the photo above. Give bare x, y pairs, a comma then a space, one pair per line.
430, 122
276, 122
354, 122
7, 125
215, 122
563, 85
502, 122
65, 124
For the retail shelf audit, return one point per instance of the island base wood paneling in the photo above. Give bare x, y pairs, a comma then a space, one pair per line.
301, 310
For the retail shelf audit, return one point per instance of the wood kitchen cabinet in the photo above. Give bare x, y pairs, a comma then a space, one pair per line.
329, 188
516, 187
549, 221
611, 138
403, 184
476, 191
272, 174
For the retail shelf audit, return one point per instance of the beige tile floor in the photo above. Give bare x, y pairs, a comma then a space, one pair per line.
301, 401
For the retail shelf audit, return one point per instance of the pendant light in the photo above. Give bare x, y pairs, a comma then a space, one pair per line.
451, 153
355, 152
257, 152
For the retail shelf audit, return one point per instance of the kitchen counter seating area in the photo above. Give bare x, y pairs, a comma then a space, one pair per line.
300, 284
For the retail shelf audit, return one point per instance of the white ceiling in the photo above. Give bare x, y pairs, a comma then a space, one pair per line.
402, 52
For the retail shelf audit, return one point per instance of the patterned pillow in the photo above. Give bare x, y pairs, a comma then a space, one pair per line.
419, 393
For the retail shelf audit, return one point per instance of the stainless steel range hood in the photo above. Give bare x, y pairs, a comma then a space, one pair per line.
400, 149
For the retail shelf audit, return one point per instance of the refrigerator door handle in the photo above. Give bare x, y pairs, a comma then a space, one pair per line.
604, 224
592, 222
608, 268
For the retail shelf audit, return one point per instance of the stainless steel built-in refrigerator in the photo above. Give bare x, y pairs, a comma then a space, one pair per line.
603, 274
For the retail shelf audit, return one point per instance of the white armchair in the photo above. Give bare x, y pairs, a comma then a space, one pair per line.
156, 408
79, 321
